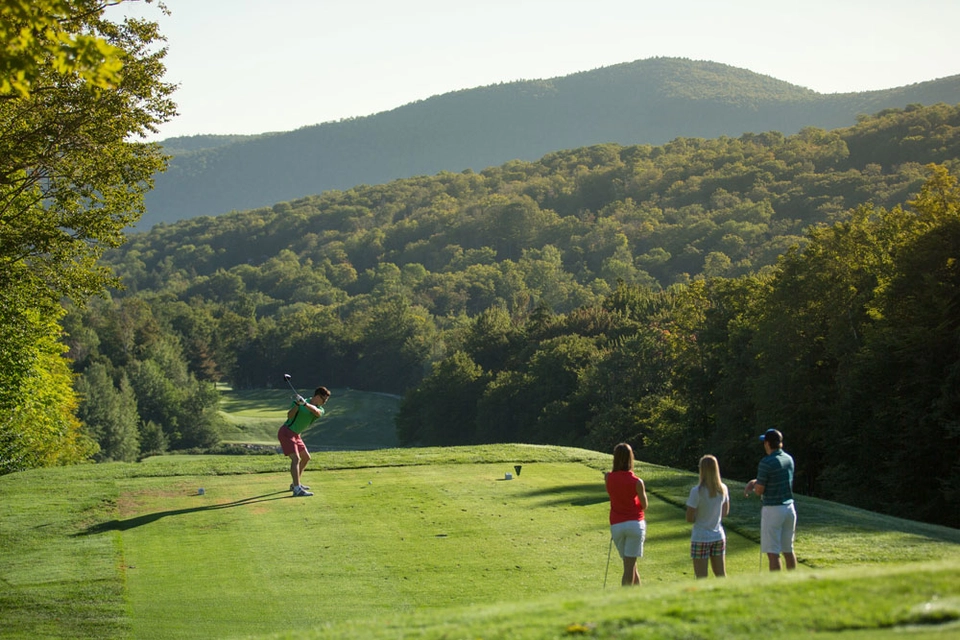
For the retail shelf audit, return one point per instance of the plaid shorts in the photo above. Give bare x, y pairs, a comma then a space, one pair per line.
700, 550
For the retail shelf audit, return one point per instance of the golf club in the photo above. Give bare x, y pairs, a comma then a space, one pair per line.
609, 549
286, 377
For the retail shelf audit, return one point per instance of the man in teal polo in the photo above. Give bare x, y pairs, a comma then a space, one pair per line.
778, 518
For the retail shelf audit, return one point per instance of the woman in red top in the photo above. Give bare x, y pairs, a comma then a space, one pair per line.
628, 501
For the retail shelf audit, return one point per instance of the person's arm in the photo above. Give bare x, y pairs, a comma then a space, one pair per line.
642, 494
725, 509
763, 476
298, 401
693, 501
301, 401
753, 486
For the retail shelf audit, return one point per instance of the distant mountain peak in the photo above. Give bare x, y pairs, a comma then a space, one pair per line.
650, 101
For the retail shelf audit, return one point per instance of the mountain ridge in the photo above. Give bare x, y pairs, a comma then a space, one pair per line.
648, 101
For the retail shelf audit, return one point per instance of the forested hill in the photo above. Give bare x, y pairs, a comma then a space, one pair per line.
645, 102
646, 214
682, 297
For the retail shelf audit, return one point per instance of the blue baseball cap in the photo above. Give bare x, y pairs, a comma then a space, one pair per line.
772, 436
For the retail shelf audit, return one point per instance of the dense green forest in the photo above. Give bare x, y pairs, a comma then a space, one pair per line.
682, 297
649, 101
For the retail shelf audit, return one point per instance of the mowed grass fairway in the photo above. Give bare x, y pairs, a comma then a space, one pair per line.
353, 420
373, 541
433, 543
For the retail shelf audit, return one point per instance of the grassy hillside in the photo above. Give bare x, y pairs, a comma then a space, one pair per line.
430, 543
353, 419
643, 102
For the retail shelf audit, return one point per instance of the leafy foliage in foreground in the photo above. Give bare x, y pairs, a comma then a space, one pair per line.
74, 88
40, 35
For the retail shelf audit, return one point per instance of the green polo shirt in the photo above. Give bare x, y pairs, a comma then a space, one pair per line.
302, 420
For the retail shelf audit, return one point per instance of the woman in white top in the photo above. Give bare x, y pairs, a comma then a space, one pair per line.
708, 503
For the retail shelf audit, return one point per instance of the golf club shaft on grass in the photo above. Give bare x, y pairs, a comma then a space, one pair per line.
609, 549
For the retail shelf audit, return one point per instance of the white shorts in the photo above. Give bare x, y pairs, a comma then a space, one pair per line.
628, 537
777, 527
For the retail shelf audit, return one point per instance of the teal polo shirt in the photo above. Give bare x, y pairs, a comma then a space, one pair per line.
775, 473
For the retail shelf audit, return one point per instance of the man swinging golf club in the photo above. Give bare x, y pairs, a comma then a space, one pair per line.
300, 416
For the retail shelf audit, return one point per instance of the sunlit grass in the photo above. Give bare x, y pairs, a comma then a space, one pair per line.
431, 543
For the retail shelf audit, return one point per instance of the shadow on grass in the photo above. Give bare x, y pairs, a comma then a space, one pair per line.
586, 494
578, 495
139, 521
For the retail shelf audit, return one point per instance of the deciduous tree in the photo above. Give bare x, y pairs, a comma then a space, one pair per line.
75, 91
37, 34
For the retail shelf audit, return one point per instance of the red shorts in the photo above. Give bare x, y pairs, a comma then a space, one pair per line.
290, 442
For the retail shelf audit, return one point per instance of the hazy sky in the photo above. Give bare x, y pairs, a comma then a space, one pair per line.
252, 66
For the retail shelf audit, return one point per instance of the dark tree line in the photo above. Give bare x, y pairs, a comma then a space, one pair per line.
138, 394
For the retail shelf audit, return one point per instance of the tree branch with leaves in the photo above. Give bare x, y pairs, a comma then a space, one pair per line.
76, 91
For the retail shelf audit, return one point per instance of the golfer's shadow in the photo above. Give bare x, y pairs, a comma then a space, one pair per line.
577, 495
139, 521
